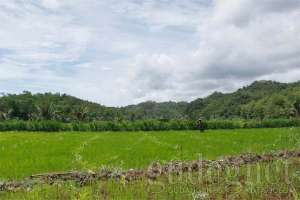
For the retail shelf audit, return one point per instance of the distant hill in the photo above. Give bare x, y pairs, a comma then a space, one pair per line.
48, 106
153, 110
261, 99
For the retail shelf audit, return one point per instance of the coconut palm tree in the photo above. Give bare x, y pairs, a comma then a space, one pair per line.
81, 113
297, 107
46, 110
3, 116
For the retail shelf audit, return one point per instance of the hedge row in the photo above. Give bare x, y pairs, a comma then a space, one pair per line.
267, 123
147, 125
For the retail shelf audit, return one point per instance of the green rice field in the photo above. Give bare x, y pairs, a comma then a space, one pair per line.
24, 153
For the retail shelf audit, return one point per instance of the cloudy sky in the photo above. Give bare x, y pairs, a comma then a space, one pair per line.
119, 52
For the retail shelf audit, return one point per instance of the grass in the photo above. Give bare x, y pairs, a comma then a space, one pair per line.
23, 153
275, 180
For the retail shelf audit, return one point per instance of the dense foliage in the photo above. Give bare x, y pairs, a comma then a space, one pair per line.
260, 100
143, 125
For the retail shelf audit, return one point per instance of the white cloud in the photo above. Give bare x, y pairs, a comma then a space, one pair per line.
241, 40
122, 52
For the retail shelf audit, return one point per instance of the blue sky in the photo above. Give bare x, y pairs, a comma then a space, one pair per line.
123, 52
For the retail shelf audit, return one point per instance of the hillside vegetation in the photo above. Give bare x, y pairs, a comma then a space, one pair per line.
260, 100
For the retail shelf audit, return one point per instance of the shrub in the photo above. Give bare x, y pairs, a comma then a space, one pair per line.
224, 124
143, 125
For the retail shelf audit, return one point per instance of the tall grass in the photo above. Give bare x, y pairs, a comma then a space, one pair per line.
275, 180
143, 125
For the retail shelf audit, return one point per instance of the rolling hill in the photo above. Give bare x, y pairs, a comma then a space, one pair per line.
261, 99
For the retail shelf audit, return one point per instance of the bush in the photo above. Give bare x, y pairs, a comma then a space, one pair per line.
224, 124
272, 123
143, 125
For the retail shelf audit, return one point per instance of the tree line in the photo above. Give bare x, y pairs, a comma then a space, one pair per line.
143, 125
258, 101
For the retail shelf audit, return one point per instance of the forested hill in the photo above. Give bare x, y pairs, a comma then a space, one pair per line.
262, 99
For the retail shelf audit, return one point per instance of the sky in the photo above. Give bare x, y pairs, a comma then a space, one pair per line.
120, 52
